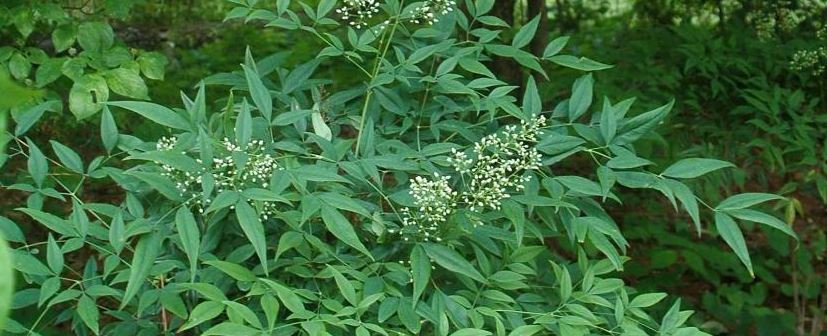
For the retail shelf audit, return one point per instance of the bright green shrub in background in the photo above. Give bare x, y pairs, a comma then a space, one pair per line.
428, 199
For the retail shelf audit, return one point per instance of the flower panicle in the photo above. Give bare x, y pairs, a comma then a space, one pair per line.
227, 172
495, 167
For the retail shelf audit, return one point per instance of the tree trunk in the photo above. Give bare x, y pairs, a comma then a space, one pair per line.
538, 44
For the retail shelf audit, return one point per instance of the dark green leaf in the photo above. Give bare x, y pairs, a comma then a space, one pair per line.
190, 236
340, 227
37, 165
259, 93
67, 157
694, 167
420, 271
732, 235
146, 252
452, 261
157, 113
251, 225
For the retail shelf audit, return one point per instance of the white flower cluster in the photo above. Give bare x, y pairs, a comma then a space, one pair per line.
429, 11
357, 12
500, 160
435, 200
496, 167
810, 60
251, 169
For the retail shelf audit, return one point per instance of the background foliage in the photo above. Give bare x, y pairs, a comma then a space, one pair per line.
103, 210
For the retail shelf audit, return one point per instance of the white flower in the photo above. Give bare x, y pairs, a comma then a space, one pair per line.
435, 201
429, 10
230, 171
357, 12
498, 164
495, 168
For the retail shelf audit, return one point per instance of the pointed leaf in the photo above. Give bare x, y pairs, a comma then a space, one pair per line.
452, 261
251, 225
732, 235
146, 251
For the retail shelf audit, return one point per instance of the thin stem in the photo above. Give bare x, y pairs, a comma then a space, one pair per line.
376, 67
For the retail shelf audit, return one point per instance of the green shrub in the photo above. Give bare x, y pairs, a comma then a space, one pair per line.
425, 200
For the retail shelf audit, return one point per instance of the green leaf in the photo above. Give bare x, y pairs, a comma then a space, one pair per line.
251, 225
746, 200
581, 96
32, 115
581, 185
86, 96
19, 66
146, 252
206, 290
526, 33
581, 63
54, 256
762, 218
532, 103
605, 247
687, 198
565, 285
157, 113
49, 71
476, 67
259, 93
299, 76
525, 330
127, 82
37, 165
646, 300
28, 264
109, 131
288, 240
88, 312
244, 126
190, 237
203, 312
482, 6
627, 161
694, 167
420, 271
471, 332
608, 125
95, 36
343, 202
345, 287
162, 184
340, 227
231, 329
152, 64
555, 46
225, 199
236, 271
52, 222
287, 296
642, 124
63, 36
6, 281
67, 157
452, 261
320, 128
11, 231
732, 235
117, 233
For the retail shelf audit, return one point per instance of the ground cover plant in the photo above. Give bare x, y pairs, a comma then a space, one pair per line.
392, 181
